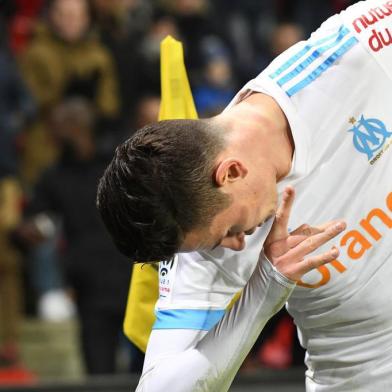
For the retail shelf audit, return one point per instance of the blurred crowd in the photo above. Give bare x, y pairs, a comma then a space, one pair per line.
76, 78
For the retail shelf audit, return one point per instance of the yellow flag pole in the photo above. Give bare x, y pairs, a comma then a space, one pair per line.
176, 103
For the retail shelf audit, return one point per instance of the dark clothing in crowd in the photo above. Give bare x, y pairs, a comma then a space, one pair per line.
16, 107
56, 70
95, 270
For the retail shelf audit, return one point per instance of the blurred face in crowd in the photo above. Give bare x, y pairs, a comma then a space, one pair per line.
285, 36
147, 111
160, 29
218, 72
163, 27
72, 124
70, 19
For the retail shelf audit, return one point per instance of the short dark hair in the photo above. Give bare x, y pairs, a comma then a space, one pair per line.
159, 186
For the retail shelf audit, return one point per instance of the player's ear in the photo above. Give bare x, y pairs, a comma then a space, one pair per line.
229, 170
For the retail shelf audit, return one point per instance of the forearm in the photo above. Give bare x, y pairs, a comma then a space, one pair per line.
211, 363
263, 296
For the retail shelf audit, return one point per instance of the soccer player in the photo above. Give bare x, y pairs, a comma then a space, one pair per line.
318, 118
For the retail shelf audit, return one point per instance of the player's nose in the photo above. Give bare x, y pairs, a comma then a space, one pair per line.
235, 242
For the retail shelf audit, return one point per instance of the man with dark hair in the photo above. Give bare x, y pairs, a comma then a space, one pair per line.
318, 118
175, 172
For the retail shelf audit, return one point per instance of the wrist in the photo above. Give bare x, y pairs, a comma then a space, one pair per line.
274, 273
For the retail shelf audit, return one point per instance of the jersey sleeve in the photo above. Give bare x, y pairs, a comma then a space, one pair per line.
195, 288
199, 360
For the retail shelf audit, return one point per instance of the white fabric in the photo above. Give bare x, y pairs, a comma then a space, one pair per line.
336, 92
198, 361
200, 280
346, 323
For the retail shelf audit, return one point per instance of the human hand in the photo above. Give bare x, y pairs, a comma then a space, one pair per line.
288, 251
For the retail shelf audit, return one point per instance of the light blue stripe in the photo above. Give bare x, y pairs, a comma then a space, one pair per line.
187, 319
315, 55
323, 67
302, 53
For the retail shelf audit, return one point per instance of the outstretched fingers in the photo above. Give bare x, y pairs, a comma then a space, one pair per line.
313, 242
301, 233
295, 262
316, 261
305, 231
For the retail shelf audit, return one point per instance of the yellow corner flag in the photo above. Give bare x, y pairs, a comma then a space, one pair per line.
176, 103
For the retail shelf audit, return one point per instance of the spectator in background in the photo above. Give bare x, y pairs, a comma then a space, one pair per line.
147, 111
281, 37
123, 17
22, 15
67, 191
16, 109
284, 36
65, 59
217, 85
195, 22
308, 13
162, 25
122, 25
245, 27
11, 292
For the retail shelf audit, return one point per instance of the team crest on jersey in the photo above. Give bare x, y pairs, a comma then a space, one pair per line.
370, 137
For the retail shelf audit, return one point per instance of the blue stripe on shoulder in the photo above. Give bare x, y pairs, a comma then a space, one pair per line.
303, 51
313, 56
323, 66
187, 319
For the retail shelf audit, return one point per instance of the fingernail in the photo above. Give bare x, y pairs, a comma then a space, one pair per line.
339, 226
334, 252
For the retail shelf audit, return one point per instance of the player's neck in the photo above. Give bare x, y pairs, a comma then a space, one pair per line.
261, 118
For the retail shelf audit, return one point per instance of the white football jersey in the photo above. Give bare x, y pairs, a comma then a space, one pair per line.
336, 92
